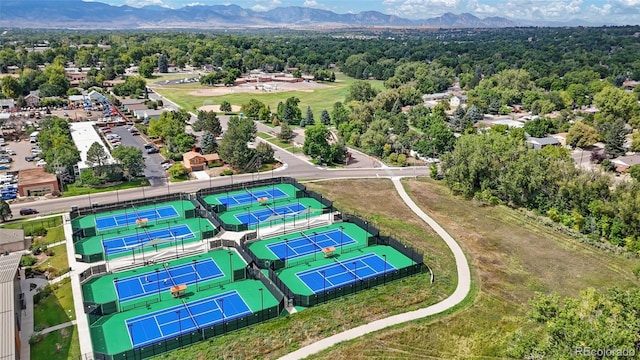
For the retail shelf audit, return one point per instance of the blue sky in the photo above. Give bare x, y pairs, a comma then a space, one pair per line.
594, 11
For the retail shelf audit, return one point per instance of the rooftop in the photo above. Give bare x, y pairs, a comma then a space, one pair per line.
34, 176
84, 135
8, 267
8, 236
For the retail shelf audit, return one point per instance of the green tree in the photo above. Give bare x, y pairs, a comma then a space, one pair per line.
325, 118
556, 328
252, 108
96, 157
538, 127
177, 171
233, 148
225, 106
265, 153
145, 69
309, 120
614, 138
360, 90
11, 87
130, 159
163, 64
209, 122
5, 210
616, 103
286, 133
582, 135
316, 144
208, 143
339, 114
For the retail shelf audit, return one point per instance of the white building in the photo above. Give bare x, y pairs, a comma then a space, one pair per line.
84, 134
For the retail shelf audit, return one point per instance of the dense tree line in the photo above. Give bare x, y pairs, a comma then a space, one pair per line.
497, 167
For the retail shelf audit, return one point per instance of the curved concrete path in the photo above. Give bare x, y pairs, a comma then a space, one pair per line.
461, 292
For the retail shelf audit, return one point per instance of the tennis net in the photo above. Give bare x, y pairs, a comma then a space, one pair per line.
311, 240
349, 270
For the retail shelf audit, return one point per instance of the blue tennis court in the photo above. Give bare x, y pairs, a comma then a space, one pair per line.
152, 282
268, 213
177, 320
310, 243
125, 243
131, 216
250, 197
342, 273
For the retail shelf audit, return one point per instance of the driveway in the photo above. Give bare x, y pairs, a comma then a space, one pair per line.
153, 170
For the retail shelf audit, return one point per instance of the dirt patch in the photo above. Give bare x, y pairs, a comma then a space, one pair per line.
213, 172
216, 108
261, 88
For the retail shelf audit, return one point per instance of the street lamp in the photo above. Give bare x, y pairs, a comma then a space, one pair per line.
158, 285
224, 327
324, 286
230, 267
117, 296
286, 251
355, 276
341, 232
316, 244
385, 269
195, 269
176, 241
180, 328
261, 303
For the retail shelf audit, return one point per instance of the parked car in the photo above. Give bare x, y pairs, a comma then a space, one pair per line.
9, 151
4, 166
166, 166
28, 211
41, 162
135, 133
31, 157
9, 196
114, 140
106, 130
152, 150
5, 160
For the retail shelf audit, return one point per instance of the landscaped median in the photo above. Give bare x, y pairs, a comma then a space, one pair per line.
288, 146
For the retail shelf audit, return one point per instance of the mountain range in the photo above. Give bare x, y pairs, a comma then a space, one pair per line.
78, 14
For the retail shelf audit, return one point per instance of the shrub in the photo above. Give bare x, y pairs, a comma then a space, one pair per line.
50, 252
27, 260
227, 172
36, 231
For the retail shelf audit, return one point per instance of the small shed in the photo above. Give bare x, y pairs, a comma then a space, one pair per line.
12, 240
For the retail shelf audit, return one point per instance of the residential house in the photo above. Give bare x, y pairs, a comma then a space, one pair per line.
32, 100
194, 161
623, 163
457, 101
7, 104
539, 143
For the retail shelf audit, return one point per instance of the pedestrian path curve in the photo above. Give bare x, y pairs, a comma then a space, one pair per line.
461, 292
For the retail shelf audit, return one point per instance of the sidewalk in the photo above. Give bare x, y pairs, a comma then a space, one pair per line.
461, 292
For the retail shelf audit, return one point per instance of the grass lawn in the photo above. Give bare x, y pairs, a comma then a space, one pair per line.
56, 308
55, 231
280, 336
58, 261
318, 99
60, 344
512, 257
75, 189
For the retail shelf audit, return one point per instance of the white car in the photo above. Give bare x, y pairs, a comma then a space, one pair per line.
41, 163
166, 166
10, 151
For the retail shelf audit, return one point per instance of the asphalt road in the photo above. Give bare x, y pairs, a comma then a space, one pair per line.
153, 170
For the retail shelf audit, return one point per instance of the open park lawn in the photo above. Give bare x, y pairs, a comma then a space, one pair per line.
511, 257
280, 336
322, 96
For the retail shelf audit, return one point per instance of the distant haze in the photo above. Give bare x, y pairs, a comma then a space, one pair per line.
595, 12
309, 14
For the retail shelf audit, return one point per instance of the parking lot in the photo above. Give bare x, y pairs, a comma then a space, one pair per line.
153, 170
